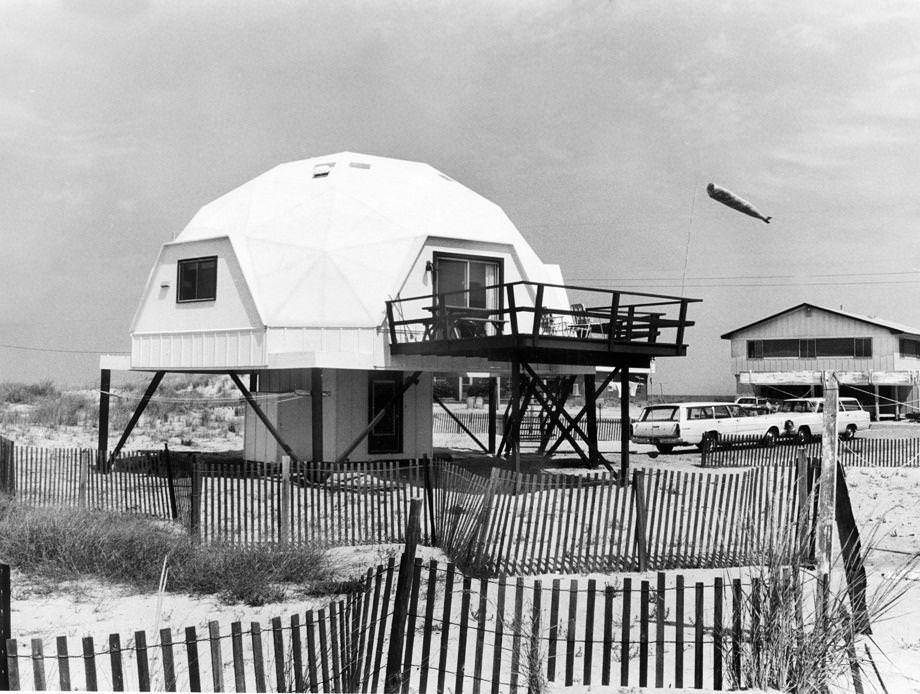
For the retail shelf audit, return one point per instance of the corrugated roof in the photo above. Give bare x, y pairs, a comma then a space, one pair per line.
871, 320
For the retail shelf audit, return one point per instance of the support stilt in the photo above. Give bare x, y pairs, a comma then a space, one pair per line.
105, 386
591, 406
316, 413
514, 439
624, 424
139, 410
493, 411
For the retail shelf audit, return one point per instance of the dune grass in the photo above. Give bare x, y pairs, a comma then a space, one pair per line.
66, 544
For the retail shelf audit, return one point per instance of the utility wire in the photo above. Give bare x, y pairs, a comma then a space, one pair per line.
30, 348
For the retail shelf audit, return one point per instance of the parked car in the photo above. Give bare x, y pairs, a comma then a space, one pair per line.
753, 401
701, 424
807, 417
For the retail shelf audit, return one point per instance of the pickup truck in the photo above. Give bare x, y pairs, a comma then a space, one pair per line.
703, 424
807, 417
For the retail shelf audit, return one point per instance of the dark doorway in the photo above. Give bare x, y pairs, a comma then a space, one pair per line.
387, 434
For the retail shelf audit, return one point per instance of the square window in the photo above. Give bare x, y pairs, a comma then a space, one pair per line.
197, 279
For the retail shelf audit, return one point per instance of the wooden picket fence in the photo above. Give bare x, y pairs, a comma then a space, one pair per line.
461, 634
661, 519
608, 429
858, 452
331, 503
134, 482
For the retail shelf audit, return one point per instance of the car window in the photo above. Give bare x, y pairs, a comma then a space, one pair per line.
741, 411
820, 407
699, 413
721, 412
659, 414
850, 405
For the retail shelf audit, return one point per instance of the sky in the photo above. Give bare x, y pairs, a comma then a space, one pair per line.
595, 125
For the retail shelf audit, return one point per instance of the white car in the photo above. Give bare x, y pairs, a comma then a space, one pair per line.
807, 417
701, 424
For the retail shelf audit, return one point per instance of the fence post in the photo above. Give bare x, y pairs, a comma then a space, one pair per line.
194, 524
170, 488
641, 538
4, 624
429, 500
285, 492
84, 478
393, 681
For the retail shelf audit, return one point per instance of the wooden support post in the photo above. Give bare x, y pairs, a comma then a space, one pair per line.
624, 424
878, 414
591, 405
851, 550
641, 518
139, 410
514, 438
105, 386
316, 413
493, 412
284, 527
429, 500
393, 681
195, 515
827, 487
572, 422
170, 483
262, 416
408, 383
463, 427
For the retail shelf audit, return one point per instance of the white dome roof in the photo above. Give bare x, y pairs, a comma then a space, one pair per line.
325, 241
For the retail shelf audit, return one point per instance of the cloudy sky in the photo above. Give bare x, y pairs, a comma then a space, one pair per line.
595, 125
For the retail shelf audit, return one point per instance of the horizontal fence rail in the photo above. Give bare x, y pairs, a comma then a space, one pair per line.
858, 452
462, 634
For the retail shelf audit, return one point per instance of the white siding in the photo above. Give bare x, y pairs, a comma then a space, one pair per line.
202, 350
344, 416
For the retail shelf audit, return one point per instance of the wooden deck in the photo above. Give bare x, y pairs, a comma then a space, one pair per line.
535, 322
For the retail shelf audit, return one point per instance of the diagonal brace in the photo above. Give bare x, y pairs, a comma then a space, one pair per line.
138, 411
460, 424
574, 422
262, 416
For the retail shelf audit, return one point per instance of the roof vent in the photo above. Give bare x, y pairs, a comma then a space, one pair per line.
322, 170
359, 165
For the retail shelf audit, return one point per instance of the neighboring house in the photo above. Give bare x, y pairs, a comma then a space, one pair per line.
289, 280
784, 355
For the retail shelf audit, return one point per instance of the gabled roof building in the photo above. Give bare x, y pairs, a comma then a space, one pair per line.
784, 355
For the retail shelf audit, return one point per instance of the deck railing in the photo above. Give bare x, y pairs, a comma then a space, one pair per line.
539, 310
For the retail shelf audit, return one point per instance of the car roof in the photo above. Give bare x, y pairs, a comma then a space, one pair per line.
701, 403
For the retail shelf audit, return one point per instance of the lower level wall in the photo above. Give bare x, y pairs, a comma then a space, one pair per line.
283, 394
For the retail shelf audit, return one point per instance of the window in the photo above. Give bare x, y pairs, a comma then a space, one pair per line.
811, 348
463, 280
721, 412
385, 388
197, 279
659, 414
910, 348
699, 413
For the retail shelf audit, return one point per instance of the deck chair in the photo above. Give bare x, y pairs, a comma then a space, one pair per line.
581, 326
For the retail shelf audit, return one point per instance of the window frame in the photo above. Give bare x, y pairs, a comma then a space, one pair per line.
186, 261
440, 255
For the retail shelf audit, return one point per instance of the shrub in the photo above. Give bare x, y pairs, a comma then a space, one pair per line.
70, 543
26, 393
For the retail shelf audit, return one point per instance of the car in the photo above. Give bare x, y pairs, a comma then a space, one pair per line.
753, 401
701, 424
807, 417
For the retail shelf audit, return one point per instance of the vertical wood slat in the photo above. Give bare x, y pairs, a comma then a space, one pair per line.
679, 631
624, 632
499, 633
118, 680
480, 637
89, 664
38, 665
534, 677
279, 656
191, 654
169, 668
63, 662
143, 664
698, 638
236, 643
589, 633
553, 631
217, 663
258, 656
461, 640
12, 664
717, 642
659, 630
643, 633
445, 627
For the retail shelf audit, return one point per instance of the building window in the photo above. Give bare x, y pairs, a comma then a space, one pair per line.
197, 279
910, 348
811, 348
468, 281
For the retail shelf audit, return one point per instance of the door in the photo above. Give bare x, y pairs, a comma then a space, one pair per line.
387, 434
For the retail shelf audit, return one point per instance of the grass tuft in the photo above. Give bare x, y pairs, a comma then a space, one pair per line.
66, 544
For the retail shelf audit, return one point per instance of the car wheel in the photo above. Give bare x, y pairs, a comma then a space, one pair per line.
769, 439
803, 436
664, 447
849, 433
709, 442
